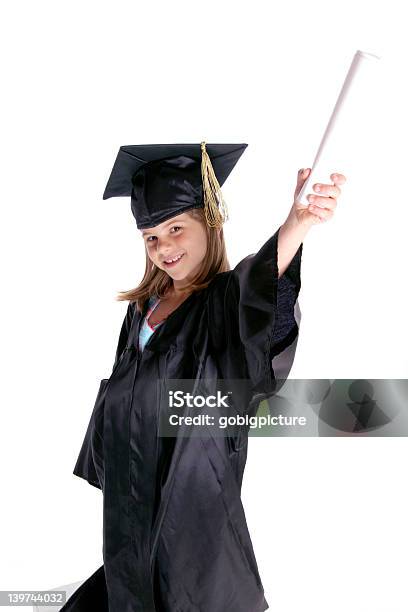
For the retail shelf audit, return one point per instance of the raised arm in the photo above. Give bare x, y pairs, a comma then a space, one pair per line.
301, 218
267, 287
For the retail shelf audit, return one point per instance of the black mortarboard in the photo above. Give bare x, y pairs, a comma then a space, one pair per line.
165, 180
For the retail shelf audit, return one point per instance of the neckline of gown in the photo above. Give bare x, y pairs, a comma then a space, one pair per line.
151, 310
163, 335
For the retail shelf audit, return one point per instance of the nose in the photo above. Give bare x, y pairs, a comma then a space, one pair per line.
164, 246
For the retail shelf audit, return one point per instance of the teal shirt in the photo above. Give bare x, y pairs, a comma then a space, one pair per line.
145, 329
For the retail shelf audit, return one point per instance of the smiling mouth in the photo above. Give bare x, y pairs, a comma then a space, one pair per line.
173, 261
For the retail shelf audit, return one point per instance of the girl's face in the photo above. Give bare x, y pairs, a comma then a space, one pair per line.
182, 238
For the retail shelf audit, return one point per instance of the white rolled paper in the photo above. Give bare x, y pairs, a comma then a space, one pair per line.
342, 129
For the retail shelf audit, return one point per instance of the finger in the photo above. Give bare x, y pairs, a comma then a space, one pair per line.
338, 179
329, 190
323, 214
322, 202
303, 174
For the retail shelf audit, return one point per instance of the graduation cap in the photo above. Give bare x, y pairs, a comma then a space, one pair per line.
164, 180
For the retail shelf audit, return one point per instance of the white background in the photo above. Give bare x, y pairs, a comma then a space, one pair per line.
79, 79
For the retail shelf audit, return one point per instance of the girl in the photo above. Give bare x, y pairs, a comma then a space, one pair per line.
175, 538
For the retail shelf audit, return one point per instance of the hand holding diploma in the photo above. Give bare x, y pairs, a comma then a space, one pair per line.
321, 207
322, 203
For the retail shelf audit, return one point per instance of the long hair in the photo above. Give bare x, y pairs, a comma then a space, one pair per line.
156, 281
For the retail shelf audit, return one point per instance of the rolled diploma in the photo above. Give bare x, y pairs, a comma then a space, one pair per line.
341, 131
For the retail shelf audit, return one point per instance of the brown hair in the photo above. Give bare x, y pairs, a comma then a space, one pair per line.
157, 281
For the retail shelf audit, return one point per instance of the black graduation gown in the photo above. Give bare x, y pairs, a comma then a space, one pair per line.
175, 537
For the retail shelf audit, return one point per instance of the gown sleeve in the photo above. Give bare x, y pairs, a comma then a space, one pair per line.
268, 314
85, 465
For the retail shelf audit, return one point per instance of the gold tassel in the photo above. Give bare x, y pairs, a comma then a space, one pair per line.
215, 207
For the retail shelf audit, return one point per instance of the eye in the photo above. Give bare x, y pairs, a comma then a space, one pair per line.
175, 227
